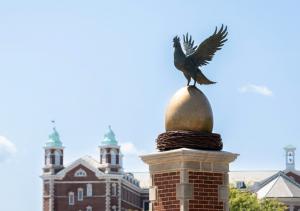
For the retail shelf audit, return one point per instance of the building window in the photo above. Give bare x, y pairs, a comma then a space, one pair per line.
52, 159
61, 160
89, 190
145, 205
71, 198
89, 208
108, 158
114, 189
80, 173
80, 194
57, 154
113, 157
117, 159
114, 208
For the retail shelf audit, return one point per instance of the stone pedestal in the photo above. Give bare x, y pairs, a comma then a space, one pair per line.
189, 180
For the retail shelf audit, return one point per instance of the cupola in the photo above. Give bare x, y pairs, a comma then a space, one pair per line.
54, 153
110, 154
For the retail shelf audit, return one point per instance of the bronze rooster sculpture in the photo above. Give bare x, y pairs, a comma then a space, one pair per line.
195, 57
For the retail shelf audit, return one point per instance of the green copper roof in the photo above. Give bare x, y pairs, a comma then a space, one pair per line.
109, 138
54, 140
289, 147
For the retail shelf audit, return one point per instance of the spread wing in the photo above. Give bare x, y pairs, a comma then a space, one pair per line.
188, 45
206, 50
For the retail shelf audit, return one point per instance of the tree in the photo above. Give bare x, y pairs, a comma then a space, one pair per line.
246, 201
271, 204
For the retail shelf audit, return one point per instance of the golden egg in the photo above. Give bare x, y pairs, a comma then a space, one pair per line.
189, 109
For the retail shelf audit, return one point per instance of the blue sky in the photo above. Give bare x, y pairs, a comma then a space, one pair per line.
88, 64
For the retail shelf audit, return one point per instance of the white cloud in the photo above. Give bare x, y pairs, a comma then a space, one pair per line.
131, 160
129, 148
259, 89
7, 149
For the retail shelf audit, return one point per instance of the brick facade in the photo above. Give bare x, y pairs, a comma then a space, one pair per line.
132, 199
166, 191
294, 176
206, 191
88, 184
98, 201
45, 203
189, 180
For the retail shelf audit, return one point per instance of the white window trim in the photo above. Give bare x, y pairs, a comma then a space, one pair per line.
71, 198
48, 159
89, 190
80, 173
89, 208
80, 194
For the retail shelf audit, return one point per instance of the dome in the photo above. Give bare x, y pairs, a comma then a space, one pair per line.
54, 139
189, 110
109, 138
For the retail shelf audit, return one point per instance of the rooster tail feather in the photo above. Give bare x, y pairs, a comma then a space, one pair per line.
201, 78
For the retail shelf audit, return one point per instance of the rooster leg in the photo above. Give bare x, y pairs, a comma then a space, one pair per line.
188, 83
188, 78
194, 82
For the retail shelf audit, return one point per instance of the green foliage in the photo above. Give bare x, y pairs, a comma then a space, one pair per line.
271, 204
246, 201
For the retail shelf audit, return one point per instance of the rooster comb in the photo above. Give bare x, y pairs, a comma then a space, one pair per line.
176, 39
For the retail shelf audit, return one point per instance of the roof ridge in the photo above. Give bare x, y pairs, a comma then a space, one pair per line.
267, 180
273, 184
291, 180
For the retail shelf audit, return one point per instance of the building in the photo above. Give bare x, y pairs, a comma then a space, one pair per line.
88, 184
281, 185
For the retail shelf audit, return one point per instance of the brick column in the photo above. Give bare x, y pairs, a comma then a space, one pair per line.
189, 180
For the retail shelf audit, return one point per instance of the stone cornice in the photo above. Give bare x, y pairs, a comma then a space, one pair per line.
189, 155
199, 160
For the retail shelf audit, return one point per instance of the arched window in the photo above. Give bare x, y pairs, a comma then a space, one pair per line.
117, 159
71, 198
113, 157
89, 190
89, 208
79, 194
57, 155
114, 189
52, 159
80, 173
108, 158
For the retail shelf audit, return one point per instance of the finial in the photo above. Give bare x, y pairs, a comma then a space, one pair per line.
54, 139
53, 123
194, 57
